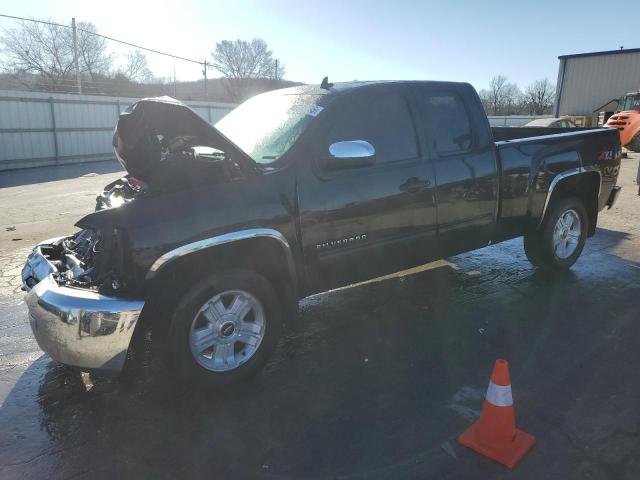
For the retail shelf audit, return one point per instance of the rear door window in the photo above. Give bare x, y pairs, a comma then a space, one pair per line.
450, 122
380, 118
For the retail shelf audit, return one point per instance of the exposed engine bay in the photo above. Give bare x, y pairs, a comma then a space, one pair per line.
163, 143
71, 260
88, 258
78, 257
118, 193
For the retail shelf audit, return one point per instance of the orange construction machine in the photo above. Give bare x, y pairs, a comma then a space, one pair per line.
627, 121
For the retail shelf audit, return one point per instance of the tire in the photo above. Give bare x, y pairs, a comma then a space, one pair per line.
532, 251
555, 246
240, 344
634, 144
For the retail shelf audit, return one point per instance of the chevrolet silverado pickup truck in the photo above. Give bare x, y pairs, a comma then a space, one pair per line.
216, 232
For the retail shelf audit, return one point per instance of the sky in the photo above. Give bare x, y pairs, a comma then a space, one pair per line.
468, 41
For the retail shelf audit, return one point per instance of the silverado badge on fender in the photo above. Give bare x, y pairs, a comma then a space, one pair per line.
341, 242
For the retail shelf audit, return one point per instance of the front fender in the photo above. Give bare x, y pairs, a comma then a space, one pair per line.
173, 255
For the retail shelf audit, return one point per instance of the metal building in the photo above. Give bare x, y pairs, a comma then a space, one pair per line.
586, 81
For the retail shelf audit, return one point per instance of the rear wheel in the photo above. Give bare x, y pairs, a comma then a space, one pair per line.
560, 240
224, 328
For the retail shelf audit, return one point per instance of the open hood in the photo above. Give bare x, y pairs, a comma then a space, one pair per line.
155, 132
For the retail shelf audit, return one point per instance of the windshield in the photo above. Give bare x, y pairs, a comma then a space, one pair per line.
631, 102
267, 125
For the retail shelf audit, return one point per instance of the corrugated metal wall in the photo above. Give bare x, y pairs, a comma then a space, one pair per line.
53, 129
591, 81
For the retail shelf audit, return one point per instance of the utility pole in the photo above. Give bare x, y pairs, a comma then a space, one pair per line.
75, 55
204, 71
175, 85
276, 75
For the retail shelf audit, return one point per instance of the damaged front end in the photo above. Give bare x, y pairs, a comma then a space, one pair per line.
78, 310
69, 260
71, 319
91, 259
84, 293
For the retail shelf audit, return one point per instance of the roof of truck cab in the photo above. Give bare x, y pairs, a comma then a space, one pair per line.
338, 88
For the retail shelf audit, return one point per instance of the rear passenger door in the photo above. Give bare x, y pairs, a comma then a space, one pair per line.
362, 222
456, 132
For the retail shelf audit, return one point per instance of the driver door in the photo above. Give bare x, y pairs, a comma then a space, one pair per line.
358, 223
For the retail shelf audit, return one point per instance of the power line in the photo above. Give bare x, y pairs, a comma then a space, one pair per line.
141, 48
33, 20
107, 38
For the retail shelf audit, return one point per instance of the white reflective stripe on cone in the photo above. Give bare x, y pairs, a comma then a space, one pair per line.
499, 396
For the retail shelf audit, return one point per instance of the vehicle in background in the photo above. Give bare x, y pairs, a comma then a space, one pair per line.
627, 121
551, 122
218, 231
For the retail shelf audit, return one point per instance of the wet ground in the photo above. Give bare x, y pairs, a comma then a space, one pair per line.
375, 381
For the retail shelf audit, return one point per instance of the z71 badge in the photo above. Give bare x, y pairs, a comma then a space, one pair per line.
608, 155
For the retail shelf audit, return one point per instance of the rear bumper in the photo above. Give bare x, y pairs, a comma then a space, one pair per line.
613, 196
76, 326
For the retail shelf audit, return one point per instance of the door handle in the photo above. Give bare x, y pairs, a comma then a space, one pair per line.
414, 185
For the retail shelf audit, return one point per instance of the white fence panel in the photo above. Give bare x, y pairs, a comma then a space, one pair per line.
513, 120
20, 145
39, 128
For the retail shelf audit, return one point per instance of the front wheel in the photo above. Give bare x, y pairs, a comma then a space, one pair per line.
559, 242
224, 328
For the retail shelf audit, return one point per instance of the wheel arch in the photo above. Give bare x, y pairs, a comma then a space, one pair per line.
265, 251
584, 183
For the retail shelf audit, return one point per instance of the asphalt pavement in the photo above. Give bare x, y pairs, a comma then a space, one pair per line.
375, 381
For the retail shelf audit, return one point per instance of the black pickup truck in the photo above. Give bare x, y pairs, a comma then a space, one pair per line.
217, 231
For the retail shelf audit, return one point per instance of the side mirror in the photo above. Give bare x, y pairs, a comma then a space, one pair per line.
350, 154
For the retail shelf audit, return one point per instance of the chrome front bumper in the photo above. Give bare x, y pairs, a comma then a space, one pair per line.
75, 326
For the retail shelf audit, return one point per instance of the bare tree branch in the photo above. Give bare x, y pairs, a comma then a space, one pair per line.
46, 50
239, 60
539, 97
93, 58
502, 98
136, 68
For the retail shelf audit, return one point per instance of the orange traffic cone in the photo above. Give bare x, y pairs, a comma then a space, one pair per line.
494, 434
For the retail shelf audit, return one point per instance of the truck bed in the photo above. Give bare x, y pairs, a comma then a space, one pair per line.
531, 158
502, 134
